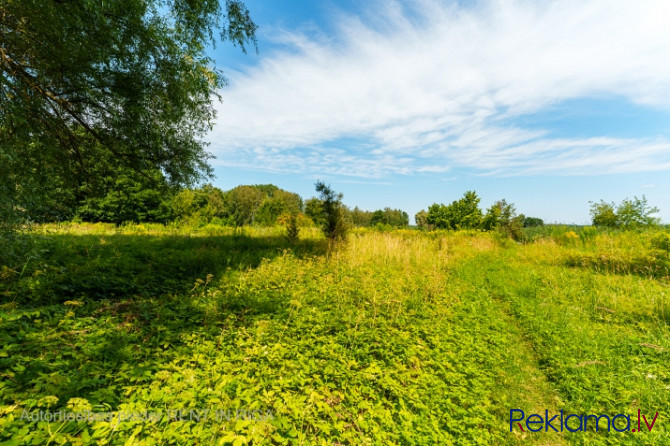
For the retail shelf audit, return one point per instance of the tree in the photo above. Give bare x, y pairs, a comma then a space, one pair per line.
531, 222
334, 225
131, 76
604, 215
501, 216
421, 219
467, 212
292, 228
242, 204
360, 217
493, 217
460, 214
628, 214
128, 196
636, 213
200, 205
278, 203
391, 217
314, 210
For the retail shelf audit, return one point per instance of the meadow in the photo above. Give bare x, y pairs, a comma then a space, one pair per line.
392, 338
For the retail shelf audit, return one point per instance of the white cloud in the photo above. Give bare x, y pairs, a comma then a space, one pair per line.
427, 86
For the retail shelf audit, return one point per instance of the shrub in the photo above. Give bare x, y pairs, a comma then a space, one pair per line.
292, 229
661, 241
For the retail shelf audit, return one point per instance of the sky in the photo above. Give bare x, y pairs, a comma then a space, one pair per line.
547, 104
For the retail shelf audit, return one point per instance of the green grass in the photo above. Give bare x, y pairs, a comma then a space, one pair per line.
396, 337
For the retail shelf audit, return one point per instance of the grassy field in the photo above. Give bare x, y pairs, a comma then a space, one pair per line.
396, 337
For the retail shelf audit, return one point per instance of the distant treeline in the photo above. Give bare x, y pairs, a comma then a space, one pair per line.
126, 195
129, 196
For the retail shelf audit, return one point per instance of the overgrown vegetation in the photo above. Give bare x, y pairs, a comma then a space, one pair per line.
403, 337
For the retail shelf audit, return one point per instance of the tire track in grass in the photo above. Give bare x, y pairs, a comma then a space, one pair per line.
519, 382
593, 363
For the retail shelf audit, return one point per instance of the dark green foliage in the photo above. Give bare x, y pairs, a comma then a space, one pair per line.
129, 197
199, 205
91, 86
332, 210
33, 185
438, 216
390, 217
460, 214
242, 203
260, 204
314, 210
95, 188
531, 222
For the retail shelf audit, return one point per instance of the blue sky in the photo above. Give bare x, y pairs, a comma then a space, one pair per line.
549, 105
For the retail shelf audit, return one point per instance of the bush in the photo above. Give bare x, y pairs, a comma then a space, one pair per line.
661, 241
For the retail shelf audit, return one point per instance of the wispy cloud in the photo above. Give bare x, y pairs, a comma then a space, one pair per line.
426, 86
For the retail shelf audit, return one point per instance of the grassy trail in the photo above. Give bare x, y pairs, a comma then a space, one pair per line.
520, 381
598, 341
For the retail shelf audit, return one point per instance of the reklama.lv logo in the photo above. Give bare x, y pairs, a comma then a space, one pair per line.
536, 422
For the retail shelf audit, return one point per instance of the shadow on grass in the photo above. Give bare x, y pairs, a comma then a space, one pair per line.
107, 352
94, 267
99, 316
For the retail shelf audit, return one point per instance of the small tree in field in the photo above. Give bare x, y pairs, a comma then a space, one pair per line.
636, 213
604, 215
501, 216
292, 229
334, 225
460, 214
629, 214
